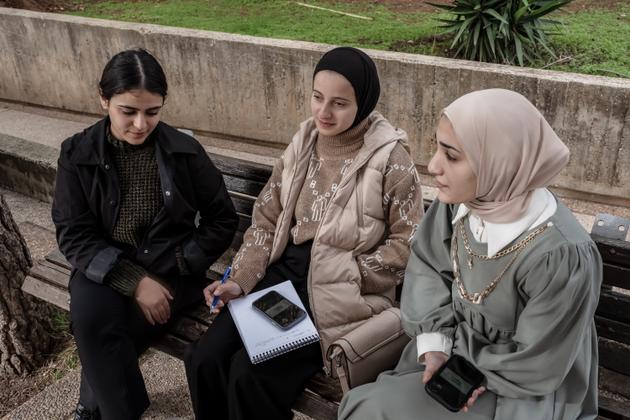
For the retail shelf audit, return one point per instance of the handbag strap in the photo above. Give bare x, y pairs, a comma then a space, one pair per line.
337, 357
343, 377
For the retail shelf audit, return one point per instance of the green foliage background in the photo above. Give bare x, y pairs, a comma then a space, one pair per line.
591, 41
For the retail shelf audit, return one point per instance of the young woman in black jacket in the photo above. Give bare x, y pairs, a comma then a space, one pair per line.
141, 213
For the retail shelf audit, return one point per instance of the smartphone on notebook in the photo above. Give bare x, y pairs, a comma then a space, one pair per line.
453, 384
279, 310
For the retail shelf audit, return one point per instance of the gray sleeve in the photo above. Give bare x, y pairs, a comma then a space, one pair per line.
555, 326
426, 296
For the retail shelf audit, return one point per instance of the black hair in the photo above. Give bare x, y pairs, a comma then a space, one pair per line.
132, 69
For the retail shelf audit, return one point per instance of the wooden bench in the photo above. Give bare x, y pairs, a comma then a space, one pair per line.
613, 317
48, 280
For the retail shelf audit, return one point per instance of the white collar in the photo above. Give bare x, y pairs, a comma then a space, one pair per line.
498, 235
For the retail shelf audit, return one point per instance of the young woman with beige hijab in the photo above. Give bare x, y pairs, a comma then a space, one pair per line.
500, 273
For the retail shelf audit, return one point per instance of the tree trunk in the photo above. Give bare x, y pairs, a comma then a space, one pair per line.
25, 322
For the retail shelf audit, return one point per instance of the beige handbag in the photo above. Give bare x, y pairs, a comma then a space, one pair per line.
373, 347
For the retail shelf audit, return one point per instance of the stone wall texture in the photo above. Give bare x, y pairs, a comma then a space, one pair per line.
257, 89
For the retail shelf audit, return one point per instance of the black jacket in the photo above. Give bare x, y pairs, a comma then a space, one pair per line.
87, 196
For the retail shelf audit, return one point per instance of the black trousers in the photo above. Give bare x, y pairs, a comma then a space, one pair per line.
224, 384
111, 332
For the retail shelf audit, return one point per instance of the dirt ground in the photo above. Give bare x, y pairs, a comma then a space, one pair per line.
17, 390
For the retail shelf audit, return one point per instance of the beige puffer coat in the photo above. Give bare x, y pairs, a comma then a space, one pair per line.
354, 223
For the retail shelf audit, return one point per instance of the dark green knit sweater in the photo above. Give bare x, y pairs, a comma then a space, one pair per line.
140, 201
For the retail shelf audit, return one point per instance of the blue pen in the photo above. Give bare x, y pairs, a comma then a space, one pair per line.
215, 300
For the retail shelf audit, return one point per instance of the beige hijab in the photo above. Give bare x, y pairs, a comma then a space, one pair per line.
511, 147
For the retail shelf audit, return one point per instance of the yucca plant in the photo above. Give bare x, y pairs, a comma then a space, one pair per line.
500, 31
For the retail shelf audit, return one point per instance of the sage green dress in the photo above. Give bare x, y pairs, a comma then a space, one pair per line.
533, 337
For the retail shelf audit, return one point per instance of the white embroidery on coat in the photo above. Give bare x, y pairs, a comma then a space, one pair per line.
318, 207
260, 236
346, 165
405, 207
373, 262
313, 167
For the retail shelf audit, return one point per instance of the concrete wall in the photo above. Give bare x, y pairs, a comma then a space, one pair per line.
257, 88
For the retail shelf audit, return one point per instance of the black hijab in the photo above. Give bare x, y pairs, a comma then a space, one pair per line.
360, 70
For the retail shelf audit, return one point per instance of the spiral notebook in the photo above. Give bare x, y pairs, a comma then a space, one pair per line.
262, 339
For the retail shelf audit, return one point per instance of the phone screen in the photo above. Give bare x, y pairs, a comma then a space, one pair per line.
457, 381
279, 310
454, 383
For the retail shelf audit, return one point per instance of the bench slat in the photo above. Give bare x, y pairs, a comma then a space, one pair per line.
614, 305
47, 292
614, 382
56, 257
613, 409
614, 356
56, 267
187, 329
241, 168
242, 204
613, 330
244, 222
613, 251
50, 275
243, 186
309, 402
326, 386
615, 275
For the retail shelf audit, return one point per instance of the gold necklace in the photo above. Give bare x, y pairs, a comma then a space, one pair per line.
477, 298
470, 254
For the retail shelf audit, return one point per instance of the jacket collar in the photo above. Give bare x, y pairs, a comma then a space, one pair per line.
92, 146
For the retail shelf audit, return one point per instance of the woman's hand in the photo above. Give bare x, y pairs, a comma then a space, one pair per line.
153, 299
476, 394
226, 292
433, 361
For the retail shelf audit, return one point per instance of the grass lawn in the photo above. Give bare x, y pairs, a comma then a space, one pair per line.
592, 40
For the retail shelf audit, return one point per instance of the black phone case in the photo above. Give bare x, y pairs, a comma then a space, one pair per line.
439, 398
284, 328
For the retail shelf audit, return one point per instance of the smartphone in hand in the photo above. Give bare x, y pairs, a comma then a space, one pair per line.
279, 310
453, 384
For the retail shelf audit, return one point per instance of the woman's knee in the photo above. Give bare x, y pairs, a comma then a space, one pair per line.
365, 402
95, 307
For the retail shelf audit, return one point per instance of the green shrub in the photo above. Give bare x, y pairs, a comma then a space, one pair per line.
500, 31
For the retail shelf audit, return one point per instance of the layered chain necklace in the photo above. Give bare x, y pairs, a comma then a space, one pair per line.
477, 298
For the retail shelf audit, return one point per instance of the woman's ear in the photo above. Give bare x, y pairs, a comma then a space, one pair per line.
104, 102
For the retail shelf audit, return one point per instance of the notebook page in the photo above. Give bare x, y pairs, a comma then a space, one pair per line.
259, 335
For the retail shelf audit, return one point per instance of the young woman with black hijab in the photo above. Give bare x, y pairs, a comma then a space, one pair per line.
335, 218
127, 194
